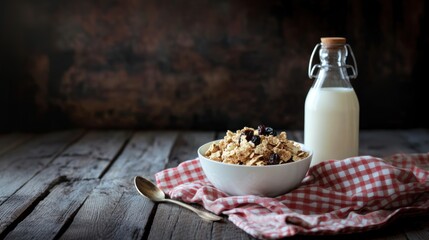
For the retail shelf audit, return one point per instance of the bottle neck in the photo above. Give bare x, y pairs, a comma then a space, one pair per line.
333, 56
333, 72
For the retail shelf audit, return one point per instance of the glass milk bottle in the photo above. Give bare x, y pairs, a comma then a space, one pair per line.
331, 118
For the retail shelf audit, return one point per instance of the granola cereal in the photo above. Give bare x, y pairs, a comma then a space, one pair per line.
256, 147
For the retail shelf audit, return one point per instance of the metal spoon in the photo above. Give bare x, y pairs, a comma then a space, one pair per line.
150, 190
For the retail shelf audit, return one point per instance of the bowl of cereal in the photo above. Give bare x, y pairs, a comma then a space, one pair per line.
255, 162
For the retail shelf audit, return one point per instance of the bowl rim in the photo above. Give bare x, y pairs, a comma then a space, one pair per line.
253, 166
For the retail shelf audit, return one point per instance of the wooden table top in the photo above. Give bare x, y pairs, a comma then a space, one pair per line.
78, 184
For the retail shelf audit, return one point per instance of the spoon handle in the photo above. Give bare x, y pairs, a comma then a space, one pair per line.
204, 215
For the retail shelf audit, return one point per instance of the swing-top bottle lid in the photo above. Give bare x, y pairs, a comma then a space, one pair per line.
333, 42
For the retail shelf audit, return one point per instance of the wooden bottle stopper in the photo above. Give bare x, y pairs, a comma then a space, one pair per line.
333, 42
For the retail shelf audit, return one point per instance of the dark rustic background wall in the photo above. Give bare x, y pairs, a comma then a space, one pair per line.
203, 64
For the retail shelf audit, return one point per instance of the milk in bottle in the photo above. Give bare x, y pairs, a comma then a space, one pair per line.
331, 117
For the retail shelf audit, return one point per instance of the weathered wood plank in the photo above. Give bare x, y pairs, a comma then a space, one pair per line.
91, 155
53, 212
99, 144
418, 139
171, 221
295, 135
418, 228
10, 141
228, 231
186, 146
113, 211
174, 222
124, 212
383, 143
41, 149
28, 195
20, 165
83, 159
146, 154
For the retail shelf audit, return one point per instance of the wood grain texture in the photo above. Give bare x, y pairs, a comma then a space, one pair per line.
114, 210
146, 154
229, 231
116, 198
418, 228
15, 206
7, 143
418, 139
174, 222
85, 159
50, 215
91, 156
41, 150
182, 222
10, 141
17, 167
186, 146
383, 143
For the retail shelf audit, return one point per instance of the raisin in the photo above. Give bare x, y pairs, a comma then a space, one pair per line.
261, 129
274, 159
256, 140
270, 131
249, 134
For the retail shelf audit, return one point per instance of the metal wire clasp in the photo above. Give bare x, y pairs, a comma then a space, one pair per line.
354, 68
311, 69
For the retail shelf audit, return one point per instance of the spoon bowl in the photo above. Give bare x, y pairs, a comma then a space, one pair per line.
149, 190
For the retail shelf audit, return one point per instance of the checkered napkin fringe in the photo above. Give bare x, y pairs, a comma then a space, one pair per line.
352, 195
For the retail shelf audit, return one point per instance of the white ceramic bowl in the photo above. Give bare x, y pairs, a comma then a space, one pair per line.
268, 181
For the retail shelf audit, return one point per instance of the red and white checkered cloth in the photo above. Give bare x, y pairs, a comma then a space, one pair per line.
352, 195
